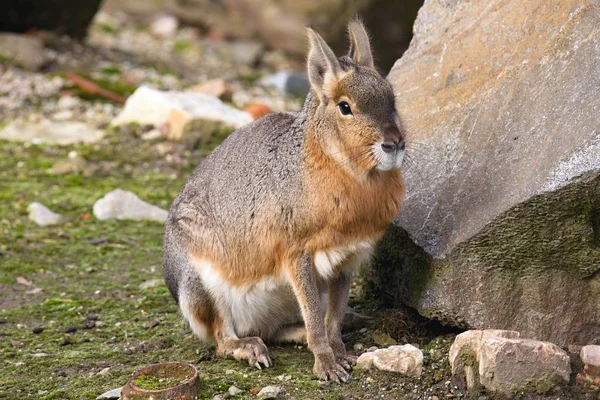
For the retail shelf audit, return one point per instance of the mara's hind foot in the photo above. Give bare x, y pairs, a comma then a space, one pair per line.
251, 349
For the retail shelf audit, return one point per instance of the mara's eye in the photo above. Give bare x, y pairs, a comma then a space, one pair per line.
344, 108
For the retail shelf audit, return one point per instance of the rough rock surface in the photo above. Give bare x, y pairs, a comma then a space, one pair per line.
42, 216
501, 224
466, 349
507, 365
405, 359
121, 204
179, 110
501, 361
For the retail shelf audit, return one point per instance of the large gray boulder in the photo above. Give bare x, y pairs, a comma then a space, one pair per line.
501, 224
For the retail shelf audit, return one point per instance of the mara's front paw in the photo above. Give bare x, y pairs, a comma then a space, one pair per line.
251, 349
327, 369
345, 360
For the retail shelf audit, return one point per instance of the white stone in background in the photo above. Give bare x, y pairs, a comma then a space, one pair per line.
405, 359
51, 132
111, 394
155, 107
22, 50
42, 216
270, 392
507, 365
121, 204
289, 82
152, 283
67, 102
590, 355
234, 391
164, 26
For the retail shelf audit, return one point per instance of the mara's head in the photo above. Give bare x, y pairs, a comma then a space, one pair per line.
355, 117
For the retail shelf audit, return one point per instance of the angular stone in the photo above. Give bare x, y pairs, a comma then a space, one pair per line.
121, 204
508, 365
590, 355
213, 87
270, 392
164, 26
111, 394
234, 391
42, 216
21, 50
51, 132
466, 349
147, 106
499, 227
405, 359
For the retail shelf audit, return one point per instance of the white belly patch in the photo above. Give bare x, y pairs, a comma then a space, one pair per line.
258, 308
327, 261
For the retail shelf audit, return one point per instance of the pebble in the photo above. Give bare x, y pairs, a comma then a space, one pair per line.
123, 205
42, 216
590, 355
152, 283
92, 316
70, 329
358, 347
66, 342
37, 330
234, 391
90, 324
270, 392
111, 394
164, 26
22, 50
152, 324
284, 378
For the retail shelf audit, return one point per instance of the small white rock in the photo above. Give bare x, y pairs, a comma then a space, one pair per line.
121, 204
234, 391
152, 283
590, 355
164, 26
42, 216
405, 359
148, 106
270, 392
111, 394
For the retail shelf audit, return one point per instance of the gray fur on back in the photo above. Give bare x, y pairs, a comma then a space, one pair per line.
256, 167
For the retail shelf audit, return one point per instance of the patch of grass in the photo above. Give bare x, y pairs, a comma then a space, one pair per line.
181, 46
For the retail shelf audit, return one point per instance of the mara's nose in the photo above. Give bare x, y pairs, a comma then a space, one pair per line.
390, 146
392, 138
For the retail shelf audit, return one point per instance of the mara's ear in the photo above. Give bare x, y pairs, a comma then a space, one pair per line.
360, 48
322, 63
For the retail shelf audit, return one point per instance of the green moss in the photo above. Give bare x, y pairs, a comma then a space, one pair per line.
181, 45
401, 273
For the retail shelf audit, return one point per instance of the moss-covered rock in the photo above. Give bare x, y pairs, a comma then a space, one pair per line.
500, 226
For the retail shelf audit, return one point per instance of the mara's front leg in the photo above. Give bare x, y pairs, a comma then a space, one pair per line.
305, 287
339, 288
